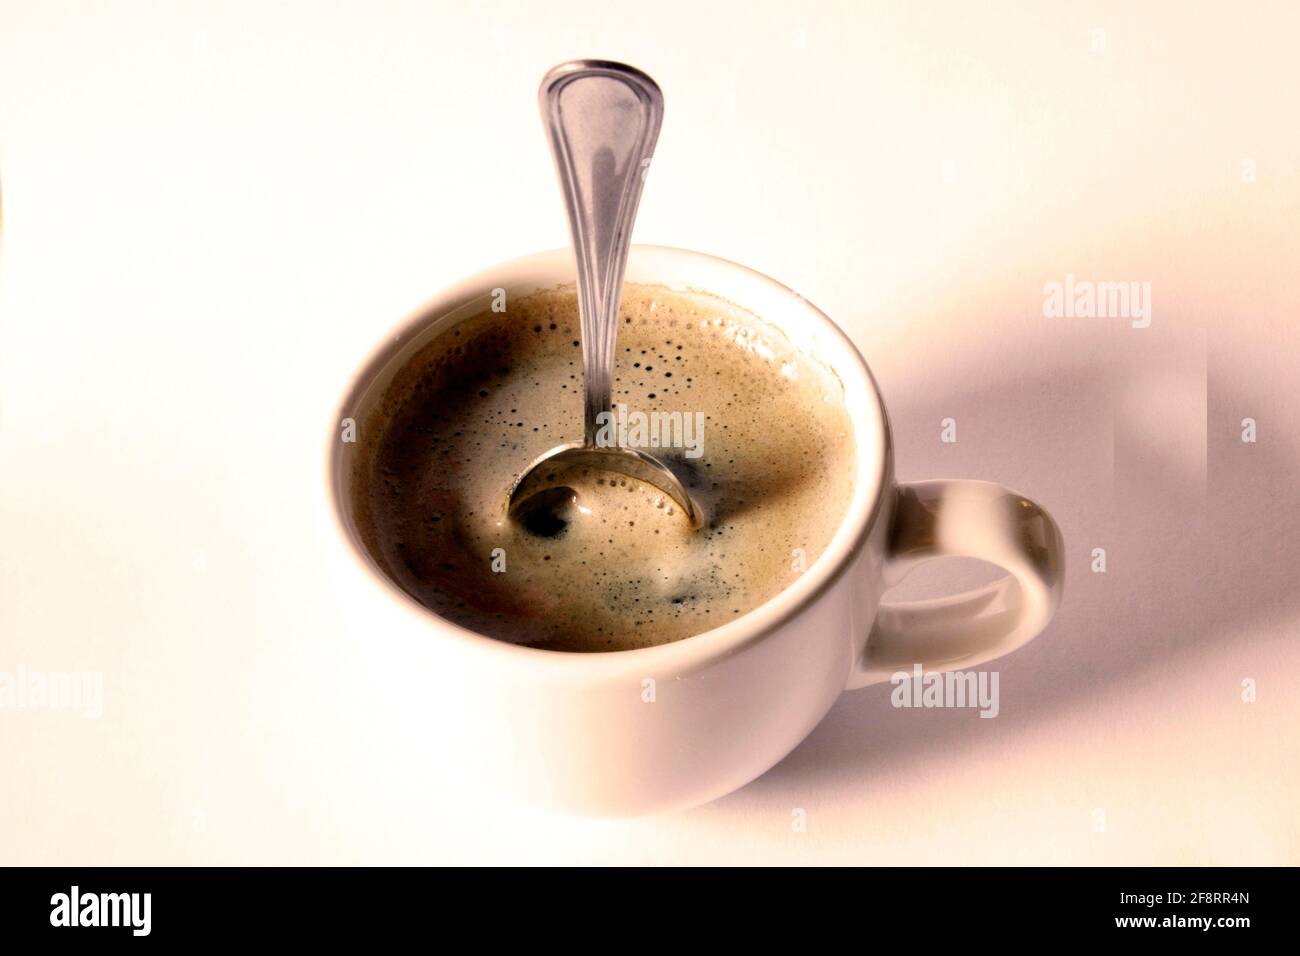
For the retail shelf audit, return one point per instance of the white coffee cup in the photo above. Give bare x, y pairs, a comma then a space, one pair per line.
667, 727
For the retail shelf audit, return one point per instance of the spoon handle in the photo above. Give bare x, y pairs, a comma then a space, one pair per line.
603, 121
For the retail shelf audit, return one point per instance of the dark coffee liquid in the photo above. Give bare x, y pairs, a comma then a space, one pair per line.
610, 564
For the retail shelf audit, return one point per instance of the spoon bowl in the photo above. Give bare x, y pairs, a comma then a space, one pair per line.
550, 468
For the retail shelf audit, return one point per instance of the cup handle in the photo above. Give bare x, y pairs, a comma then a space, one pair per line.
974, 519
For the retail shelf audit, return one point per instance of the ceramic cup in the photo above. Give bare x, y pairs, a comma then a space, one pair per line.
668, 727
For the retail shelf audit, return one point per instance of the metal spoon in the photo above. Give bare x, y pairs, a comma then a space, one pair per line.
603, 121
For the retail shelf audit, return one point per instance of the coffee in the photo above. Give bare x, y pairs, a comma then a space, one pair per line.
757, 430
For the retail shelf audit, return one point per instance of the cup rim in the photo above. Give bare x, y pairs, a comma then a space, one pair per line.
689, 653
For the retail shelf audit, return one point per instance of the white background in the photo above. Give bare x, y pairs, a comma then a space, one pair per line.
214, 211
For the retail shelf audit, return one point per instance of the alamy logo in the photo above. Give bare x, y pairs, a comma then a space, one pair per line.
26, 689
948, 689
623, 429
102, 909
1084, 299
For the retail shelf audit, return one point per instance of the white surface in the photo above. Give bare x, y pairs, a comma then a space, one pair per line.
212, 212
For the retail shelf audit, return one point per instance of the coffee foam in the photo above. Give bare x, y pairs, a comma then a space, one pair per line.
614, 565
